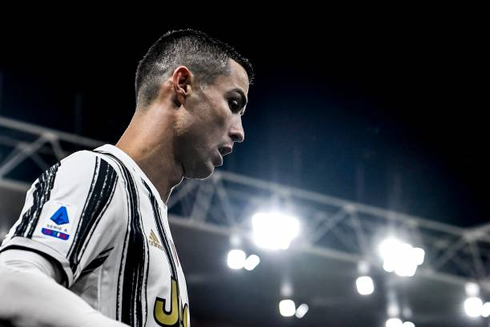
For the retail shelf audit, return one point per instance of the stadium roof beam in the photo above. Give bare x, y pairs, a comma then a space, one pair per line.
225, 202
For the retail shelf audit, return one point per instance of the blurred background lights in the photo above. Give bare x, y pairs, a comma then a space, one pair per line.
236, 259
286, 289
252, 262
287, 308
394, 322
365, 285
408, 324
472, 289
302, 310
400, 257
274, 230
473, 306
363, 267
407, 312
419, 256
485, 311
235, 240
393, 310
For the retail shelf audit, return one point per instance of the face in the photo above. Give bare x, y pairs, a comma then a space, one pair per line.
211, 123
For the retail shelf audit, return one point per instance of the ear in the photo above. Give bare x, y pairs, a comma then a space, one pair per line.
182, 80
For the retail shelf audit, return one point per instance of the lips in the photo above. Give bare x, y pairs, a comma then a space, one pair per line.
219, 161
225, 150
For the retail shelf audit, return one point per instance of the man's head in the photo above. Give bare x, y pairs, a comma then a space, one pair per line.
204, 56
203, 85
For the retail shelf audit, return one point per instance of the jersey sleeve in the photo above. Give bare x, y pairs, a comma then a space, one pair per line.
73, 214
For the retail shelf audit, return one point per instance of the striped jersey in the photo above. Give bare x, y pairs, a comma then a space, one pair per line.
99, 217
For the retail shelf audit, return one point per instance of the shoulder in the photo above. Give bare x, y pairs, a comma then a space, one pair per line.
86, 159
83, 166
94, 178
83, 173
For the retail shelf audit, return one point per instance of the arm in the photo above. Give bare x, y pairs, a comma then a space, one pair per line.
30, 296
45, 249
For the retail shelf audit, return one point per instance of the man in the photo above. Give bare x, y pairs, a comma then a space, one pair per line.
92, 246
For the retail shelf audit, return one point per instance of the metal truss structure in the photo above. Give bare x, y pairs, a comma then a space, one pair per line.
224, 204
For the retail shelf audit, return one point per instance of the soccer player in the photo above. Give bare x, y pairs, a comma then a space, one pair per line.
92, 246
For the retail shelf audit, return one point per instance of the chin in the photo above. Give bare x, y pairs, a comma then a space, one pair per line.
200, 172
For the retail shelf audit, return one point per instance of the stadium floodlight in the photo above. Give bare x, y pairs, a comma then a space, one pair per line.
251, 262
473, 306
287, 308
302, 310
408, 324
236, 259
274, 230
365, 285
400, 257
394, 322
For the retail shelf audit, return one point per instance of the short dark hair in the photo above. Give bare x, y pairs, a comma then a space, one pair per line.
205, 56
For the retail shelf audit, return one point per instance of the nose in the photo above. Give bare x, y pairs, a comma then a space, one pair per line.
237, 133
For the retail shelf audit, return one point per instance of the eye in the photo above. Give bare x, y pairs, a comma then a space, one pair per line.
234, 105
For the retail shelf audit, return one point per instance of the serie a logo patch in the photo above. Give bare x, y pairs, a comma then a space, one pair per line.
57, 222
54, 233
60, 217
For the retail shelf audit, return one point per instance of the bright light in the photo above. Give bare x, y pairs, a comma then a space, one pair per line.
393, 322
393, 310
408, 324
252, 262
286, 289
387, 248
406, 268
274, 230
287, 308
389, 266
485, 311
302, 310
236, 259
401, 258
473, 307
406, 261
419, 256
365, 285
472, 289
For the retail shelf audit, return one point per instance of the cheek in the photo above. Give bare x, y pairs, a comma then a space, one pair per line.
223, 117
182, 124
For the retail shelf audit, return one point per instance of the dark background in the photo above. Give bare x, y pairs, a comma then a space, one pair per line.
385, 108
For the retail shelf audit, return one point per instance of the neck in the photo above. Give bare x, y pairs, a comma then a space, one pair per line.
148, 141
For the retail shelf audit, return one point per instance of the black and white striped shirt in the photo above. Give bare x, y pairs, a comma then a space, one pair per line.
102, 220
